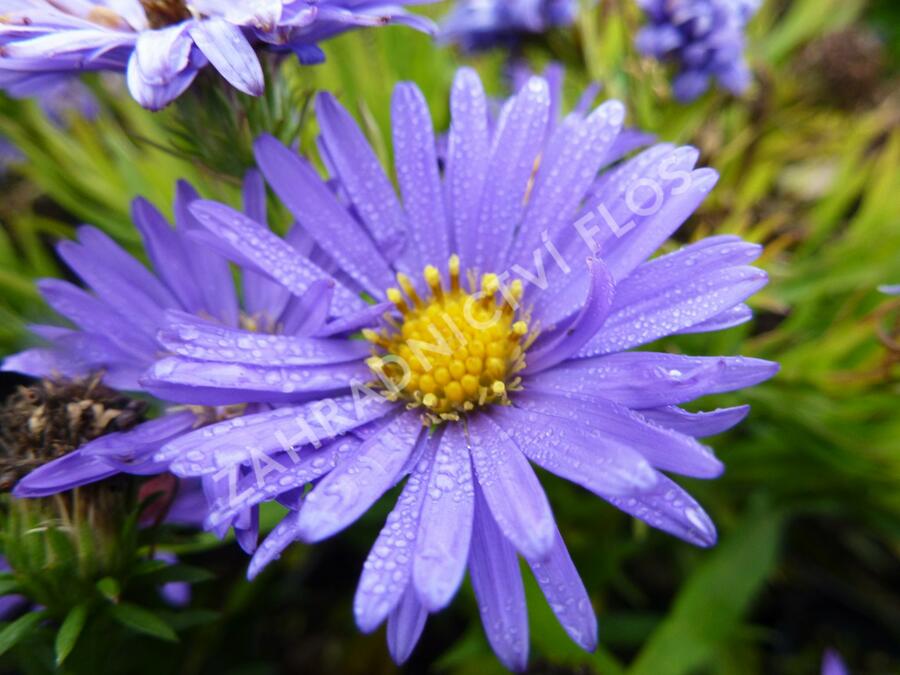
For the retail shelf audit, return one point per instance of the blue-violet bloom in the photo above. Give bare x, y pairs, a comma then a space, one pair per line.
117, 321
833, 664
704, 38
482, 24
163, 44
500, 298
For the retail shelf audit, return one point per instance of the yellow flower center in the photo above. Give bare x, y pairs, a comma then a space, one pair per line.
456, 350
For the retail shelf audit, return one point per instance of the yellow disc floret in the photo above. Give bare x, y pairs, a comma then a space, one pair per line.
456, 350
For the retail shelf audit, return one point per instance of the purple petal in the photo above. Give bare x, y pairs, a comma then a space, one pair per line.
388, 567
497, 581
91, 315
516, 148
210, 270
694, 300
623, 213
566, 595
132, 451
652, 379
66, 473
270, 254
124, 265
162, 54
625, 253
697, 424
192, 337
185, 380
589, 320
445, 527
348, 491
574, 155
671, 509
417, 173
627, 142
223, 445
663, 448
467, 159
405, 626
230, 53
833, 664
262, 297
267, 482
360, 173
166, 251
708, 255
247, 535
737, 315
127, 299
354, 321
602, 465
317, 210
307, 315
511, 489
156, 96
66, 42
283, 535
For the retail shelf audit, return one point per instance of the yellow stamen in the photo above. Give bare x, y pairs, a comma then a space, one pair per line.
433, 279
395, 296
453, 266
457, 355
409, 289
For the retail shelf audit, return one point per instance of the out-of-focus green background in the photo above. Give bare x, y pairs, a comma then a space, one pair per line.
809, 508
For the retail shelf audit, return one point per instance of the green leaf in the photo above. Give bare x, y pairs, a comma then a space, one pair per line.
69, 632
143, 621
8, 585
711, 603
18, 630
109, 588
185, 573
190, 618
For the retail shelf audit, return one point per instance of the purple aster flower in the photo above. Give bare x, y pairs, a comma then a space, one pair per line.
705, 38
501, 298
116, 325
833, 664
890, 290
163, 44
482, 24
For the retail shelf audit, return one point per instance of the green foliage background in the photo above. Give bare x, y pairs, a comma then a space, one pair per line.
809, 508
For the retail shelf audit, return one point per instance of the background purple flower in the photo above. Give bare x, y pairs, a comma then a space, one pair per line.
833, 664
163, 45
579, 403
117, 321
482, 24
704, 38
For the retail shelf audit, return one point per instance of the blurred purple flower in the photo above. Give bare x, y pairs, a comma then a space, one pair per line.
482, 24
163, 44
117, 322
549, 379
890, 290
833, 664
705, 38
